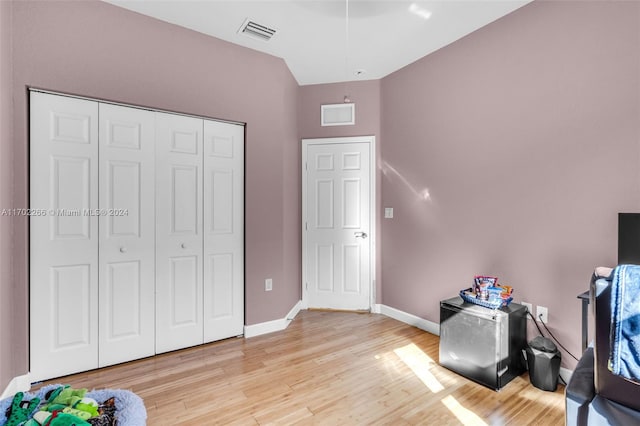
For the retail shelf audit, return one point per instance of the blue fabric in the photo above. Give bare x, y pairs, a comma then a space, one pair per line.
624, 358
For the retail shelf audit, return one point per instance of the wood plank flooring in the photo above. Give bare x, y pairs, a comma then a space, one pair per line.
327, 368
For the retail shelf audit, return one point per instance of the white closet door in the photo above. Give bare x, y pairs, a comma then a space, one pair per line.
63, 236
127, 234
223, 230
178, 232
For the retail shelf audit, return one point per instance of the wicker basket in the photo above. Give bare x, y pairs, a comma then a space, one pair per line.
493, 304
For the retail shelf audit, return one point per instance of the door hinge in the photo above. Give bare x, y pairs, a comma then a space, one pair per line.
306, 226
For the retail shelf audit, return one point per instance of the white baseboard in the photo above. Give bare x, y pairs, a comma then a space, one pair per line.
17, 384
272, 326
410, 319
566, 374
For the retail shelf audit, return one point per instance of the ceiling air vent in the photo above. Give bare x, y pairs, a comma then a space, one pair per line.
255, 30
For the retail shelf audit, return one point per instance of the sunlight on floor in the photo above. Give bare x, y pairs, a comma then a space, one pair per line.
419, 363
466, 416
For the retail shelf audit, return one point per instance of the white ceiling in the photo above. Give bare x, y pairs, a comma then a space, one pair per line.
319, 43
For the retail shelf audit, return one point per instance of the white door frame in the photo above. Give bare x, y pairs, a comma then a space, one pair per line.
371, 140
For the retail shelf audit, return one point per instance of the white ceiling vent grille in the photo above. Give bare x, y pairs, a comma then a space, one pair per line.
253, 29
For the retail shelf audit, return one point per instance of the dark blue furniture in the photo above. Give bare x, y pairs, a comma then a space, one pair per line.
594, 396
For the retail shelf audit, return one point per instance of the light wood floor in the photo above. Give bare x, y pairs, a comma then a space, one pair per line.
327, 368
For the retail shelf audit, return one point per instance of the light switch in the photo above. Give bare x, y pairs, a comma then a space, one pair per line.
388, 212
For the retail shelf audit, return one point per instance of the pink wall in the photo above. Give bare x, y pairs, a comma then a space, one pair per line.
6, 149
366, 96
512, 132
98, 50
525, 136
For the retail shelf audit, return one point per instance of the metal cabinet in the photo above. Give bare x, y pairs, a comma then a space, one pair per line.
484, 345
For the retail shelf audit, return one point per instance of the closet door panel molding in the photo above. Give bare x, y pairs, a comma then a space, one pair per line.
63, 238
127, 234
178, 232
223, 230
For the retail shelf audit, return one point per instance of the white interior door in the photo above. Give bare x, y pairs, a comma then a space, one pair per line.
127, 234
337, 223
223, 230
63, 236
179, 238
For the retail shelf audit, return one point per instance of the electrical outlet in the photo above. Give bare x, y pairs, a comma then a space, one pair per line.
268, 284
529, 307
542, 314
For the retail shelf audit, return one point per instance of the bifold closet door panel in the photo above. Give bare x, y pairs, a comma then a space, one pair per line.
178, 232
223, 230
63, 235
127, 234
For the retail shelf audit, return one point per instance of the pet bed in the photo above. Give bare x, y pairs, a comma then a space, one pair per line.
129, 407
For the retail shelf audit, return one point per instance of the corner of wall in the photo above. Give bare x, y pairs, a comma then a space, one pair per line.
7, 294
17, 384
272, 326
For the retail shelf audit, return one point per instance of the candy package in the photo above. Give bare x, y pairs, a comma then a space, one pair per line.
482, 284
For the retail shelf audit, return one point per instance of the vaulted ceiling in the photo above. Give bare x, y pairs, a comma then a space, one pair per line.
333, 40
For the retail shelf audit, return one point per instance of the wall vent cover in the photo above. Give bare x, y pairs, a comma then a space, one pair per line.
259, 31
338, 114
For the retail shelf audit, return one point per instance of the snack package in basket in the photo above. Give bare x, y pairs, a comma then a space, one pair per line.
482, 284
507, 290
501, 292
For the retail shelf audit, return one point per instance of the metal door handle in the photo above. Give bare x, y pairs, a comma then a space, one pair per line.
123, 249
183, 245
362, 235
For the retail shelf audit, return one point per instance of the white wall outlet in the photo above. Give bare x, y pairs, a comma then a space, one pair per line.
388, 212
542, 314
268, 284
529, 307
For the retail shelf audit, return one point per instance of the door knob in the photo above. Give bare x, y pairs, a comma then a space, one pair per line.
183, 245
123, 249
362, 235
